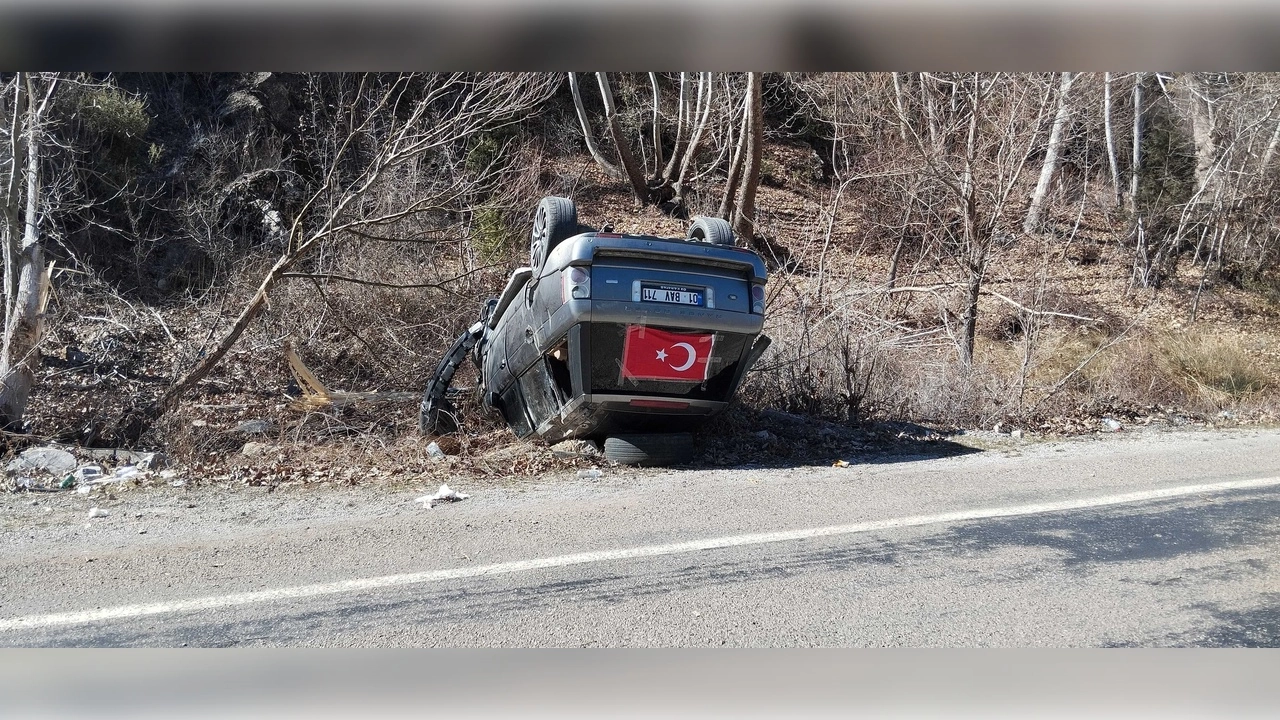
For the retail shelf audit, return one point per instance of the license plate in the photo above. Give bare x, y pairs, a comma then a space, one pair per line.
673, 294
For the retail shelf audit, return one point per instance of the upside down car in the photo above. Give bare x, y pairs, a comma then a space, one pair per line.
635, 340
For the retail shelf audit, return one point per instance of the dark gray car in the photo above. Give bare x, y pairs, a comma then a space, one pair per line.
633, 339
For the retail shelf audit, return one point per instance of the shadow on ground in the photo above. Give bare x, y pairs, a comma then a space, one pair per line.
774, 439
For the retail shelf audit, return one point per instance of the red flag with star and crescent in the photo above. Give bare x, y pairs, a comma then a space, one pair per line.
653, 354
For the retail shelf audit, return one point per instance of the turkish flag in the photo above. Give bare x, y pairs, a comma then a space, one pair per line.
652, 354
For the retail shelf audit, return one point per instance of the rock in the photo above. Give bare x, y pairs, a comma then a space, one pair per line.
253, 427
254, 449
46, 459
568, 449
98, 513
1017, 434
999, 427
1110, 425
766, 435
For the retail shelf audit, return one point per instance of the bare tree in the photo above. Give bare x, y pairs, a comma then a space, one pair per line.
1135, 169
26, 277
744, 218
634, 174
1111, 140
1034, 220
609, 168
729, 198
667, 180
411, 118
986, 130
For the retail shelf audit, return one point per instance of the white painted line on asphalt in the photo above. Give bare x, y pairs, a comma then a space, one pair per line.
374, 583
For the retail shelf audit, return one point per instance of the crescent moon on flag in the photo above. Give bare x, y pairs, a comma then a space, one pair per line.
692, 356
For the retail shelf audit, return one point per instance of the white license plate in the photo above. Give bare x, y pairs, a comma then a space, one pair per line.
674, 295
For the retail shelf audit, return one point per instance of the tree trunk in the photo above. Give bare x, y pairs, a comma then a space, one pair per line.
1202, 123
27, 272
657, 126
696, 141
1111, 139
609, 168
901, 108
625, 156
1135, 173
744, 223
1270, 152
11, 201
1035, 212
728, 203
930, 114
975, 239
681, 103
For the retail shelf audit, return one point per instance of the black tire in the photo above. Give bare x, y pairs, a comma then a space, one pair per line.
649, 448
555, 220
711, 230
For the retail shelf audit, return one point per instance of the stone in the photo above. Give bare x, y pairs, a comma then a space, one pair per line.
255, 449
253, 427
46, 459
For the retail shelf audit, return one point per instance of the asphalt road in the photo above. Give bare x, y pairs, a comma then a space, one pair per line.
1156, 539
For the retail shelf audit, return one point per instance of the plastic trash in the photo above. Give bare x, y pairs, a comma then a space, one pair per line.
591, 474
98, 513
435, 452
445, 494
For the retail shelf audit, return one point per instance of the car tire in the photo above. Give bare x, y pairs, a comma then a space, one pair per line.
711, 230
649, 448
555, 220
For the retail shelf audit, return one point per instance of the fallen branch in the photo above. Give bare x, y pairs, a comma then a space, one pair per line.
1029, 311
316, 396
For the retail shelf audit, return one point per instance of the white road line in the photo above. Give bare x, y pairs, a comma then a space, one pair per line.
359, 585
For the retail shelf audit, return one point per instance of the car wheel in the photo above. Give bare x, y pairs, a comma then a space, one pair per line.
649, 448
555, 220
711, 230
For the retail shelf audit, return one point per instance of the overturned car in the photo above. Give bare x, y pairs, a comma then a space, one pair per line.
633, 339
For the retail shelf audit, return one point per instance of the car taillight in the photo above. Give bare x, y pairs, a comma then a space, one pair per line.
757, 299
576, 284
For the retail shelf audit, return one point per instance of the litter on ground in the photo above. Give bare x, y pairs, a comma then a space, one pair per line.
445, 494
